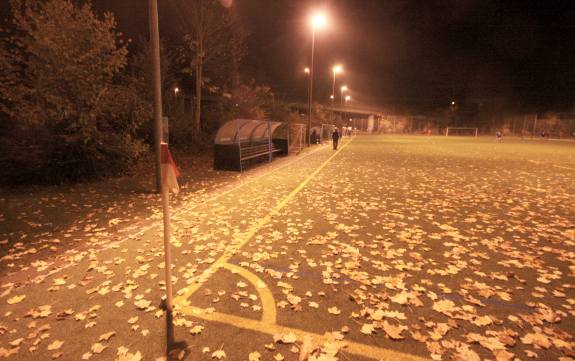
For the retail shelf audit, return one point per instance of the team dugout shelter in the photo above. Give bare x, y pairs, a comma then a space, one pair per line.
242, 142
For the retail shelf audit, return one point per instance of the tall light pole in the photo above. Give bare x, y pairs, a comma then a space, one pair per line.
317, 21
343, 90
307, 72
336, 70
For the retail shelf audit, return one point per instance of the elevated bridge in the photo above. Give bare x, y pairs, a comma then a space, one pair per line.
353, 111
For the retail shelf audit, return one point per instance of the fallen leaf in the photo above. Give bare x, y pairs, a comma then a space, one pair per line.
254, 356
55, 345
142, 304
334, 310
196, 330
464, 353
393, 331
367, 329
287, 338
16, 299
536, 339
16, 342
219, 354
106, 336
98, 348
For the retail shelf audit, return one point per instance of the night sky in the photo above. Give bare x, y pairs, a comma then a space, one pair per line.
422, 53
405, 54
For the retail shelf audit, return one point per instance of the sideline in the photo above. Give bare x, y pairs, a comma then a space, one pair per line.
187, 292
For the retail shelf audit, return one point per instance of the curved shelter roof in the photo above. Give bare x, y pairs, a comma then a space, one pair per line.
246, 131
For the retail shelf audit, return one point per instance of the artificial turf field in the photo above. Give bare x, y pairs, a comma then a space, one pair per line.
470, 240
397, 247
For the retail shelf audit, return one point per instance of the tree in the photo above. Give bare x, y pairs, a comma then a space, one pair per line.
59, 66
62, 59
213, 41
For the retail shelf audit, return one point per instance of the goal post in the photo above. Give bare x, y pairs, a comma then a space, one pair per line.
461, 131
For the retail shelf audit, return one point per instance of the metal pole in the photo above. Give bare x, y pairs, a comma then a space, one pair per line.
239, 145
270, 140
157, 85
332, 117
167, 248
310, 86
333, 90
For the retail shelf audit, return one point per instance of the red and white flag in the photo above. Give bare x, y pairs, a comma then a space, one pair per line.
170, 171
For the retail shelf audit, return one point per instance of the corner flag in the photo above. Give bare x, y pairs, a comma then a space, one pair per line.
170, 171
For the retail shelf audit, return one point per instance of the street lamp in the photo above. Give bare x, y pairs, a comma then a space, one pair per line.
317, 22
343, 90
336, 70
176, 91
307, 72
347, 98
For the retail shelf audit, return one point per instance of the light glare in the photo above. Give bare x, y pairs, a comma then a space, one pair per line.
318, 20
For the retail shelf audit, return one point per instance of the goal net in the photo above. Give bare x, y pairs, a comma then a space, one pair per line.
459, 131
297, 141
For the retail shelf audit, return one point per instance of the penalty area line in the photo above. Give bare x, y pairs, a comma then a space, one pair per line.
356, 348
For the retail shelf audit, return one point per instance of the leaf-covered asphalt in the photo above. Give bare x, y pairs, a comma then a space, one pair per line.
443, 248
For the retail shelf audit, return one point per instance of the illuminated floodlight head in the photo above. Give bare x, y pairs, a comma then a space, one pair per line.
452, 102
347, 98
306, 70
176, 90
337, 69
331, 97
318, 20
344, 88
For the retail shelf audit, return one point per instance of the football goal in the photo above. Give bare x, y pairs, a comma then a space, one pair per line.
459, 131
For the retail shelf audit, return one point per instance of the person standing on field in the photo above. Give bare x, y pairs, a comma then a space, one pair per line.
335, 137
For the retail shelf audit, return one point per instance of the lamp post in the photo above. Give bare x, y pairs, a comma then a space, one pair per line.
336, 70
343, 90
317, 21
307, 72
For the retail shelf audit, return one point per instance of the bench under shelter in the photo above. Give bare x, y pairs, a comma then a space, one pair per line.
242, 142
